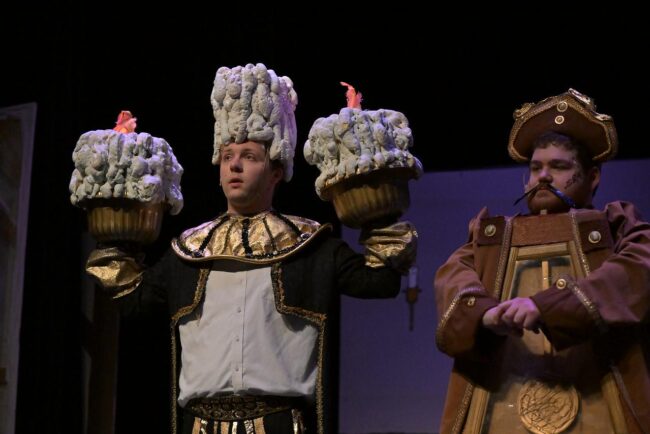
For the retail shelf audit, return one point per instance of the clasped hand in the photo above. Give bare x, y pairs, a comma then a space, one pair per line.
511, 317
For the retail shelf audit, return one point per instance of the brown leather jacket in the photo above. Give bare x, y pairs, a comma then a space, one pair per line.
608, 308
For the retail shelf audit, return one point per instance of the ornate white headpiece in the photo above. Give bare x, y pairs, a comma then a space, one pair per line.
252, 103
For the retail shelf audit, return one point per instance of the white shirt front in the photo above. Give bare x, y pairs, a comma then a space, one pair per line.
237, 342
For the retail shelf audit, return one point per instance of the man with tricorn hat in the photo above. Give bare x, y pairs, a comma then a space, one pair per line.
250, 293
546, 314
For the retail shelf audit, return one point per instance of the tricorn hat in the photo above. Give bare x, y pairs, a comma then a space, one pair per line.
572, 114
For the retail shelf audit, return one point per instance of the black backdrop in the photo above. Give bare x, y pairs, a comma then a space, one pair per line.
457, 76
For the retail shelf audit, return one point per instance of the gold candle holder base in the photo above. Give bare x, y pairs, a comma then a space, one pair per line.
376, 198
112, 220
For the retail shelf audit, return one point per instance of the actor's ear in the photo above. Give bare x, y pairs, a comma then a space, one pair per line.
277, 174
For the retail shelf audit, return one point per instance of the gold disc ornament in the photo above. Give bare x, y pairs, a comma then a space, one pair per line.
547, 408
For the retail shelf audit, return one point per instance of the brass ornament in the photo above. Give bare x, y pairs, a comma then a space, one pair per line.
545, 408
379, 196
490, 230
111, 220
595, 237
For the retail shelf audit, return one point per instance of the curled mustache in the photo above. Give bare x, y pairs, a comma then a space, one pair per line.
566, 199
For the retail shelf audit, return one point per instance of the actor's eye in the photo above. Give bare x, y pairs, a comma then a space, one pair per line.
562, 166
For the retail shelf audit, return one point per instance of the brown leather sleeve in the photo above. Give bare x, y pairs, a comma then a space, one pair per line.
461, 300
565, 319
616, 294
620, 287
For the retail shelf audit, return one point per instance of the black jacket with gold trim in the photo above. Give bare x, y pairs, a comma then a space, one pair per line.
309, 270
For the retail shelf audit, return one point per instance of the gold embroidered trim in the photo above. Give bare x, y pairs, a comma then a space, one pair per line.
449, 311
198, 294
505, 249
588, 304
576, 237
462, 410
237, 407
174, 393
319, 320
591, 308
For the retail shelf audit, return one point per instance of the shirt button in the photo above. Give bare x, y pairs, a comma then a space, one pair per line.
237, 339
239, 310
237, 369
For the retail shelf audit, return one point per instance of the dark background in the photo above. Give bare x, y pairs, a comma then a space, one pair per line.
457, 76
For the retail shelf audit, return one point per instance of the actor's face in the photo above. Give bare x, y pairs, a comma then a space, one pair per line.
247, 177
559, 167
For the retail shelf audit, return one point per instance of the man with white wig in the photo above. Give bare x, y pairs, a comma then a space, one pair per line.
250, 293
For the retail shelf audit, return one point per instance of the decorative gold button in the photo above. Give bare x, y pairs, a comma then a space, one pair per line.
562, 106
559, 119
471, 301
490, 230
560, 283
594, 237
